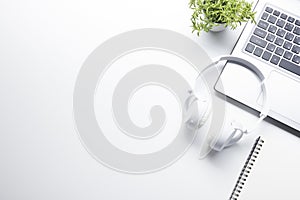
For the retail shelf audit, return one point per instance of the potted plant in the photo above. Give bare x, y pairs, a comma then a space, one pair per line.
216, 15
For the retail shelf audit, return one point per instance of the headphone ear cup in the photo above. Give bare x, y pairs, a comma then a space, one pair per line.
204, 108
204, 101
191, 116
196, 112
230, 135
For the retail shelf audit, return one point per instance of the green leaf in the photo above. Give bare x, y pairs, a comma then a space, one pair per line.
208, 13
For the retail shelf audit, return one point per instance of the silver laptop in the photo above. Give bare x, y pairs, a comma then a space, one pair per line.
273, 45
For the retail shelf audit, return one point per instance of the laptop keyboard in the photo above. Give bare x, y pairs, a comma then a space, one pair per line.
276, 39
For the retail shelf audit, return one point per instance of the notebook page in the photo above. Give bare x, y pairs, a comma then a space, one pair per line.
268, 178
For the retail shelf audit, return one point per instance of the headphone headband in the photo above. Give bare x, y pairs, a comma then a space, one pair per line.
251, 67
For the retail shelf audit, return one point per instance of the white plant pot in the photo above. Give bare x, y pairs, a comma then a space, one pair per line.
218, 28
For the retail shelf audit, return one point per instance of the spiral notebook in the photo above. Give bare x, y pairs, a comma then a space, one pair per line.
264, 173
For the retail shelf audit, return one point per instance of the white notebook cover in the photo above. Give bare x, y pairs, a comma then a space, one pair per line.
267, 178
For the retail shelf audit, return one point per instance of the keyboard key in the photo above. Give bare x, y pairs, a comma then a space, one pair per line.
269, 10
279, 51
271, 47
291, 19
250, 47
260, 33
283, 16
266, 55
280, 23
270, 37
272, 19
265, 16
297, 30
287, 45
289, 27
287, 55
276, 13
258, 41
258, 51
272, 29
296, 59
297, 40
296, 49
275, 59
279, 41
280, 32
262, 24
289, 36
290, 66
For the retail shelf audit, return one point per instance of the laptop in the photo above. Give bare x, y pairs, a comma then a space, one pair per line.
273, 45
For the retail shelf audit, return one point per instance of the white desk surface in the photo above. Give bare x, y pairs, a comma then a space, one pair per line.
43, 44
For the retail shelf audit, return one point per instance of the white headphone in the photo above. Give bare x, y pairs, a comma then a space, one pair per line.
198, 109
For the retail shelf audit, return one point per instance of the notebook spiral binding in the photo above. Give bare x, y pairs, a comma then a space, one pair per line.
247, 168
